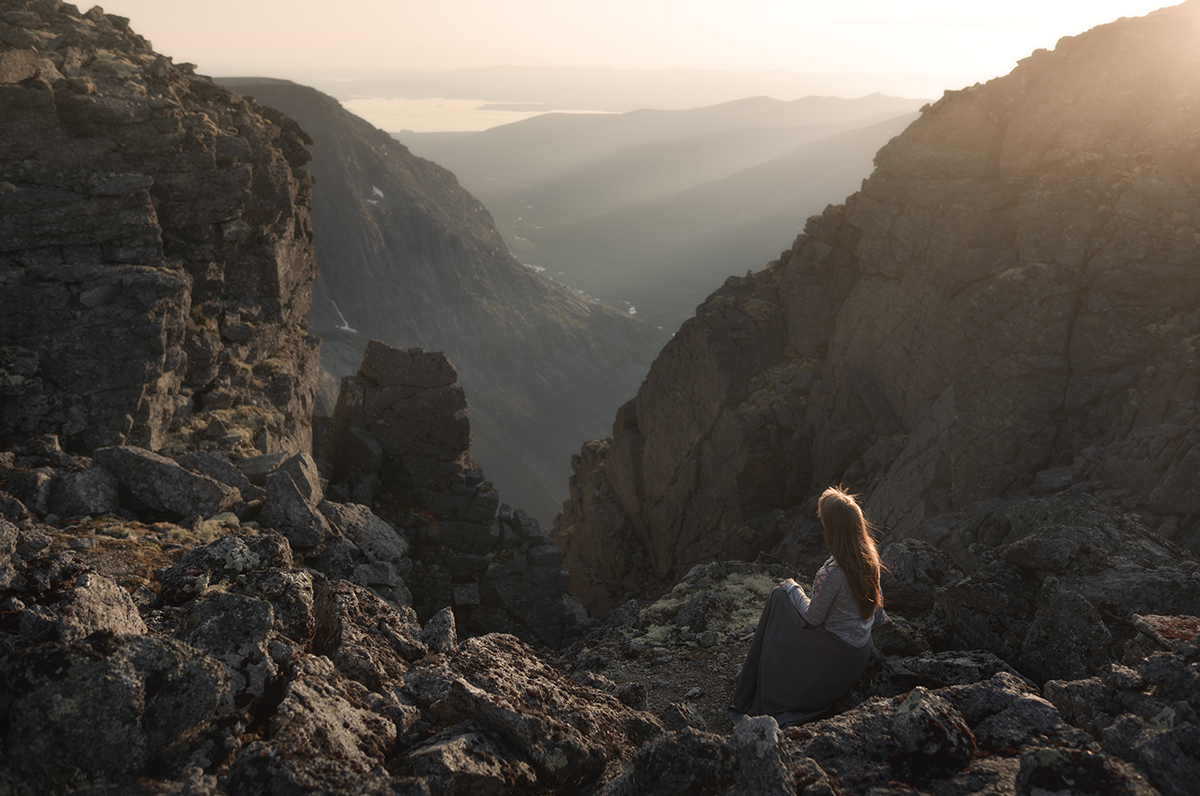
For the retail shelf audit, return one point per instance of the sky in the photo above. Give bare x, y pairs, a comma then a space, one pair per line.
313, 40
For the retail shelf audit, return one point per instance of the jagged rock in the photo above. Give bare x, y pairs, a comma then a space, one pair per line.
8, 546
97, 605
368, 640
130, 266
987, 308
688, 761
914, 571
107, 706
235, 630
1067, 637
326, 732
257, 468
932, 733
216, 468
763, 766
1080, 771
408, 401
439, 633
290, 512
84, 493
498, 682
463, 759
160, 484
680, 715
223, 561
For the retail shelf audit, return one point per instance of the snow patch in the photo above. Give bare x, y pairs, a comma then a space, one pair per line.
345, 324
378, 192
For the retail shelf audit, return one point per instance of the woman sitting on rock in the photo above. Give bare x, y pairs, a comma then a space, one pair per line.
807, 652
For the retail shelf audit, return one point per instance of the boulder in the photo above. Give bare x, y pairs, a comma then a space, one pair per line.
160, 484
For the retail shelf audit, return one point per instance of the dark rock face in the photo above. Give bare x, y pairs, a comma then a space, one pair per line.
155, 247
410, 258
405, 416
1005, 309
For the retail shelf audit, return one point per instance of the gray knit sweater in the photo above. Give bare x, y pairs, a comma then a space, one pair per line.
832, 605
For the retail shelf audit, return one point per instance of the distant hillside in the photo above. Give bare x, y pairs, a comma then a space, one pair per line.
644, 207
663, 255
409, 257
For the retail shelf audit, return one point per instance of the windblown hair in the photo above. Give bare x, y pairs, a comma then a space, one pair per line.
848, 537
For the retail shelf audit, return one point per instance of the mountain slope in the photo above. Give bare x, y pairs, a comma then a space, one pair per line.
496, 162
663, 254
1008, 307
409, 257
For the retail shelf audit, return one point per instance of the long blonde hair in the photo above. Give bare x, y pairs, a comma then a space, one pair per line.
848, 537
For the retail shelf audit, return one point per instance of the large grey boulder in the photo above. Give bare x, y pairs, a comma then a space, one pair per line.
97, 604
84, 493
162, 485
105, 708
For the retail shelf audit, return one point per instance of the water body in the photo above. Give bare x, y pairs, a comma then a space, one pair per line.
441, 115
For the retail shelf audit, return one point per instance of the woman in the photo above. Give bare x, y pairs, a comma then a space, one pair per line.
808, 652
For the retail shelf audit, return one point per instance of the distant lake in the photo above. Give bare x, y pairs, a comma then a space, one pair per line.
437, 114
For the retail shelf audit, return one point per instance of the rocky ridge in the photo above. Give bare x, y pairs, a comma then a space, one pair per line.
1006, 309
136, 196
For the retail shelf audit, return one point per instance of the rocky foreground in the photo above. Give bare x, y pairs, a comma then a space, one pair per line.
229, 653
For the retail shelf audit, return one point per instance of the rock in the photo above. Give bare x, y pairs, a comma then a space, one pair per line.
763, 767
1067, 638
915, 570
162, 485
84, 493
367, 639
217, 468
233, 629
1049, 770
97, 605
533, 709
933, 734
687, 761
463, 759
113, 332
326, 731
257, 468
107, 707
222, 561
680, 715
288, 511
439, 633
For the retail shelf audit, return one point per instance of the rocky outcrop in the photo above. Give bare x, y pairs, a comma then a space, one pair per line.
155, 247
400, 436
1005, 309
410, 258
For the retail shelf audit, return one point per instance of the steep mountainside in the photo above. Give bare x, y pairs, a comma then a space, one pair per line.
409, 257
1007, 306
155, 248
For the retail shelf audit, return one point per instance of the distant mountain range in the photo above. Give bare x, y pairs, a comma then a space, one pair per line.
408, 257
619, 90
653, 207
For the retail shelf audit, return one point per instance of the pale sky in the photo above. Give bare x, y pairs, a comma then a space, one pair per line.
306, 39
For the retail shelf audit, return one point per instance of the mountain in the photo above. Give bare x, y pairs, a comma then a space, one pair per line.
662, 254
410, 258
1006, 308
498, 161
643, 208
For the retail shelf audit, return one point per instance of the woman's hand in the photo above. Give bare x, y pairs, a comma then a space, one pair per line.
784, 583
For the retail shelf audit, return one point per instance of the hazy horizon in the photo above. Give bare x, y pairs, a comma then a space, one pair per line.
858, 47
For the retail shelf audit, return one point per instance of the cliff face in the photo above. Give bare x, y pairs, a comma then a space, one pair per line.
1007, 306
155, 247
410, 258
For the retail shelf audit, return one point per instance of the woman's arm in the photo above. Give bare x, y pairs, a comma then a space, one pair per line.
826, 584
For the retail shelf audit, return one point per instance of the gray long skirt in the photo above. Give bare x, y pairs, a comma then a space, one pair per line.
794, 671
